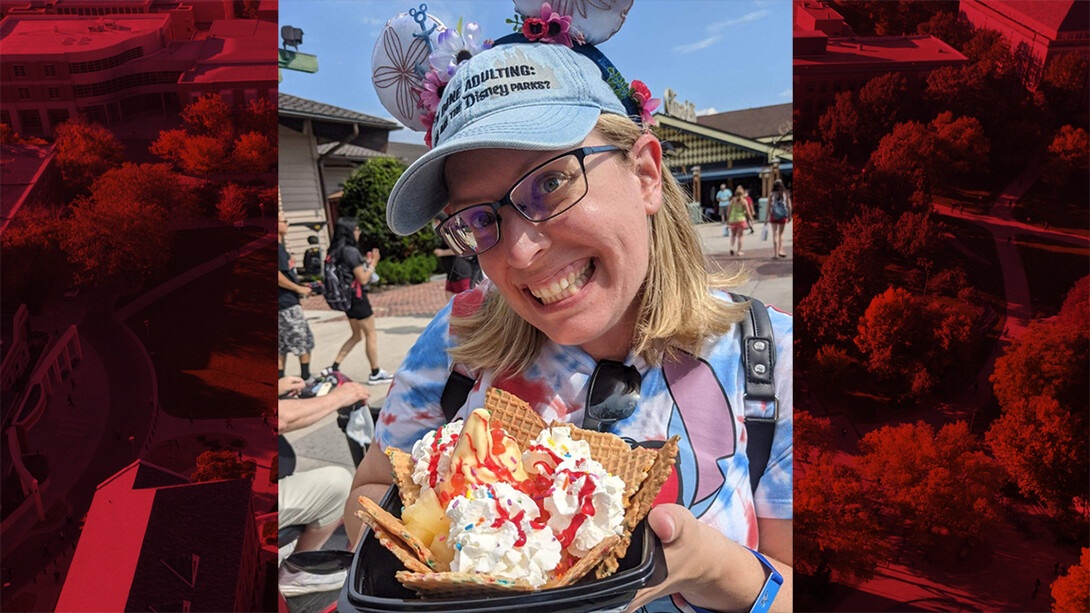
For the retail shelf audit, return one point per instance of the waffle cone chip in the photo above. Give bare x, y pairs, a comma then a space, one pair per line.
644, 472
461, 585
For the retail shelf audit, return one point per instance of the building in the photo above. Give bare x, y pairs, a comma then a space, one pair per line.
29, 177
153, 541
829, 58
750, 147
1037, 31
311, 135
75, 58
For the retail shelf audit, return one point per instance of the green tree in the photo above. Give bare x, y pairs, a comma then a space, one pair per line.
365, 196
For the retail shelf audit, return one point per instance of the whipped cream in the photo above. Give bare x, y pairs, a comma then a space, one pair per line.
493, 531
550, 448
432, 454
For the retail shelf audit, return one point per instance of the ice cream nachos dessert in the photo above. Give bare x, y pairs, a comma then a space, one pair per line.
502, 502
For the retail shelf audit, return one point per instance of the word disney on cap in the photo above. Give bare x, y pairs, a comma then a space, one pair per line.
542, 87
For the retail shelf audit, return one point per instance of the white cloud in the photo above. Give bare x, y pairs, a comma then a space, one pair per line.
786, 93
368, 20
751, 16
711, 110
697, 46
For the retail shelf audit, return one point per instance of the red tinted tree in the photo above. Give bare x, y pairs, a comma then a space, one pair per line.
837, 523
840, 123
812, 436
30, 245
232, 203
153, 185
84, 152
169, 146
1068, 154
1071, 591
934, 153
1075, 309
850, 277
832, 365
1036, 441
1064, 87
209, 116
1049, 359
9, 137
821, 195
203, 155
881, 105
254, 152
119, 241
961, 145
217, 465
938, 485
259, 116
947, 27
917, 236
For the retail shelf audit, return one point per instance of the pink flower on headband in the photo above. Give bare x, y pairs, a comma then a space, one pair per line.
643, 98
556, 26
428, 119
433, 90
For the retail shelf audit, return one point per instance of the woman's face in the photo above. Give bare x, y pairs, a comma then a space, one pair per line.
356, 233
599, 247
281, 225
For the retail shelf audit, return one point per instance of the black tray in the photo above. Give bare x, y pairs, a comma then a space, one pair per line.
372, 588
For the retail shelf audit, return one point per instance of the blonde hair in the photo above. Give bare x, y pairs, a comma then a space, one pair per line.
676, 308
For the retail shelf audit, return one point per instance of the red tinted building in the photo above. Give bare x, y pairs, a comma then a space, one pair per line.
153, 541
1037, 30
829, 58
113, 62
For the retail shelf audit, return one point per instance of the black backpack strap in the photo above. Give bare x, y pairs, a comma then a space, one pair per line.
759, 361
455, 393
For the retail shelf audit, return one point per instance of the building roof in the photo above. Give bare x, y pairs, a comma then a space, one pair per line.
351, 152
235, 51
294, 106
751, 123
862, 51
54, 34
148, 547
406, 152
20, 167
1051, 17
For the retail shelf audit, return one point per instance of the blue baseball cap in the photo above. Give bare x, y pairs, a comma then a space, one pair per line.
526, 96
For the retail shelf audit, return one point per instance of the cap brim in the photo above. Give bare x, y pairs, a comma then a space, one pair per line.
420, 194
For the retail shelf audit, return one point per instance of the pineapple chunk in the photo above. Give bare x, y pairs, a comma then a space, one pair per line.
426, 518
440, 547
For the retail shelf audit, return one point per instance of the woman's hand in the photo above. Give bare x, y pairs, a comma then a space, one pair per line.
704, 565
289, 385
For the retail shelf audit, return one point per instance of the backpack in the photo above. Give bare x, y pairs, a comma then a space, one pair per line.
779, 206
758, 361
336, 285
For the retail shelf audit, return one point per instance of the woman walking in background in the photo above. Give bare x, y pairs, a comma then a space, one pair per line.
361, 319
738, 211
779, 213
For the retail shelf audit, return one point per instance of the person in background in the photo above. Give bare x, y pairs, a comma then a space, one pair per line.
294, 335
361, 318
723, 198
750, 214
462, 273
311, 498
779, 215
738, 211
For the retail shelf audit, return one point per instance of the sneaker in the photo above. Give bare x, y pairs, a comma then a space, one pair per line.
293, 583
380, 377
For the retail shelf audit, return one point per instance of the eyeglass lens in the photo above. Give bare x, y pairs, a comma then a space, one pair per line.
614, 392
546, 192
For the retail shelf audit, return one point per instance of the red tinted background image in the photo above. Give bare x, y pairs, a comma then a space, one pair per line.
139, 171
941, 277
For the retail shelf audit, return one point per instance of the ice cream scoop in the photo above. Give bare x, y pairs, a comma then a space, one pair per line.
483, 454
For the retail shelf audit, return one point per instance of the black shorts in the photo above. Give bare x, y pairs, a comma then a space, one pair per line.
360, 309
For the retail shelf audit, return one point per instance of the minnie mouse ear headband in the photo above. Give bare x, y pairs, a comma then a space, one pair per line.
542, 88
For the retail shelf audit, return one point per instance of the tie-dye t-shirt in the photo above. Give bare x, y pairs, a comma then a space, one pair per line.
711, 476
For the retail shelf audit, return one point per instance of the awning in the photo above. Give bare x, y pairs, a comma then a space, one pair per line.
729, 173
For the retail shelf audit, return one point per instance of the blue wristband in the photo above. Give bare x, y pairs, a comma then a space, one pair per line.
773, 581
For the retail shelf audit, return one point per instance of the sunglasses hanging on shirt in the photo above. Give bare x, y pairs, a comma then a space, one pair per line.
612, 395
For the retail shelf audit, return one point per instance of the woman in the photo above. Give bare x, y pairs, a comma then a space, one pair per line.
294, 336
462, 273
345, 250
586, 241
779, 214
739, 212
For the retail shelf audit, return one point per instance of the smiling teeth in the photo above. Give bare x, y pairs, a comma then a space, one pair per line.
564, 287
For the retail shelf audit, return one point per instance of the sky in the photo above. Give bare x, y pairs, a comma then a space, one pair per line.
722, 55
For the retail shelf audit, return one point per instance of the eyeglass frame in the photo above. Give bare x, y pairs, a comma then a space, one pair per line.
596, 424
580, 153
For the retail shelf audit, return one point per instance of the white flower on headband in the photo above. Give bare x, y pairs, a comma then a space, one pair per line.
453, 48
399, 71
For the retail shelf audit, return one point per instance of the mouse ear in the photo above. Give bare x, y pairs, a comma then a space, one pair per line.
399, 61
592, 21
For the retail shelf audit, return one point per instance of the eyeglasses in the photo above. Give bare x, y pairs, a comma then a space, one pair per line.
613, 394
541, 194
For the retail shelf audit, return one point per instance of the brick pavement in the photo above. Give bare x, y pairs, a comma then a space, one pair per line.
424, 299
